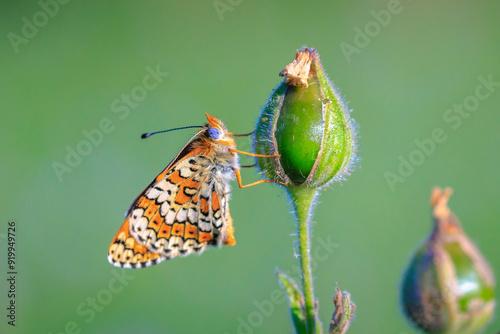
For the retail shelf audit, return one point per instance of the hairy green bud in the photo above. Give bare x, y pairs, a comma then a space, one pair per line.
307, 123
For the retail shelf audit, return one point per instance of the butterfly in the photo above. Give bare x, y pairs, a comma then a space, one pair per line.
184, 209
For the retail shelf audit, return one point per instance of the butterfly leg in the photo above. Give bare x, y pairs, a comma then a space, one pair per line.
238, 177
237, 171
253, 154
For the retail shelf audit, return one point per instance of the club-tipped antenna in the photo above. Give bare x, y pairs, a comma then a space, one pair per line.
149, 134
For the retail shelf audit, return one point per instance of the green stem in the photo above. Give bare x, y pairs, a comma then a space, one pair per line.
302, 198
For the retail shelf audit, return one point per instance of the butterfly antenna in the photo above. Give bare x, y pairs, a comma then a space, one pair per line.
149, 134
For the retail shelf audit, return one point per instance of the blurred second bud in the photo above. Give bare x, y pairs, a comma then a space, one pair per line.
448, 287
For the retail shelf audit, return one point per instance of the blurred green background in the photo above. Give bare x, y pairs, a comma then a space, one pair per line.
63, 77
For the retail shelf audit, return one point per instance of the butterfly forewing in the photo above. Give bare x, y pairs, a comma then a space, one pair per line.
182, 211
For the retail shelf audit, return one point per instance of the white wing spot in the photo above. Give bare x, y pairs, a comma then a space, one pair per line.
164, 209
170, 217
204, 225
181, 215
140, 225
136, 214
193, 215
185, 172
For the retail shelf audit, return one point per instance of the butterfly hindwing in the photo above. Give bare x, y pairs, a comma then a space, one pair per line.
180, 213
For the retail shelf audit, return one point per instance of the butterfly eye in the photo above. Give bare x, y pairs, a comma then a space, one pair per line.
213, 133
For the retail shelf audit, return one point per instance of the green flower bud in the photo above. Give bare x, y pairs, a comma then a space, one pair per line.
448, 287
307, 123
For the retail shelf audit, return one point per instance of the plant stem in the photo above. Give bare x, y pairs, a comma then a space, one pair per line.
303, 198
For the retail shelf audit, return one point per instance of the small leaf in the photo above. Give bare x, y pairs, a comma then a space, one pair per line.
344, 312
295, 301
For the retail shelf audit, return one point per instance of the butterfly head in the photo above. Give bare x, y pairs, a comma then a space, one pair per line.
217, 132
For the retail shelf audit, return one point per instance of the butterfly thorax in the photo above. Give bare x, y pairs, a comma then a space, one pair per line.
224, 160
217, 151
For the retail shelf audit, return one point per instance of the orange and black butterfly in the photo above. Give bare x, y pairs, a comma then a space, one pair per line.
185, 208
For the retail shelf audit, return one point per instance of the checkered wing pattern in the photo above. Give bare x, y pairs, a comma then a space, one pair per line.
183, 211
